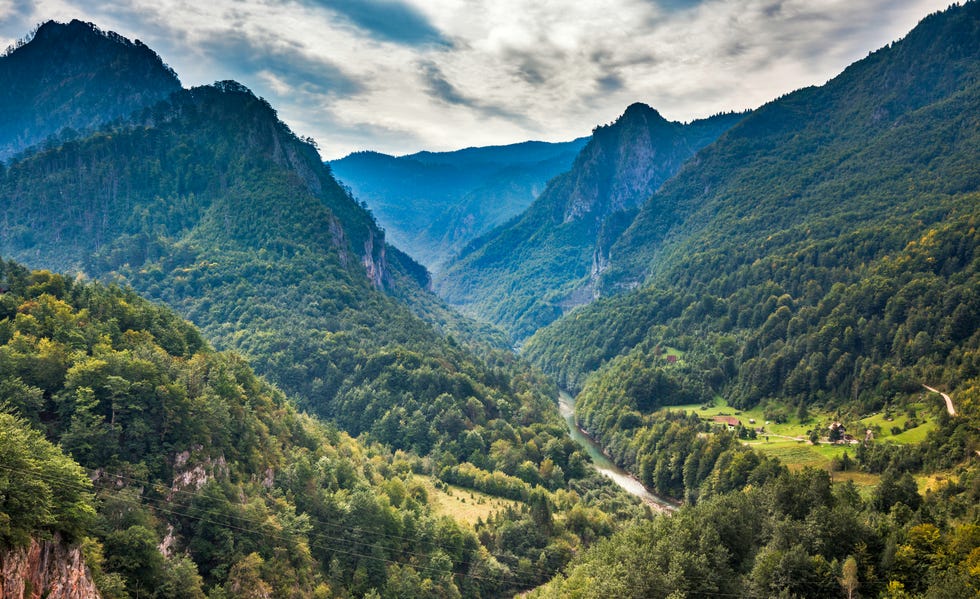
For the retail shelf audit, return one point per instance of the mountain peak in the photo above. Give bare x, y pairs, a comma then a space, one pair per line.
53, 37
639, 110
75, 76
52, 30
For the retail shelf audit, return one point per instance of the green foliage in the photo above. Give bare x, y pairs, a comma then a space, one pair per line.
229, 218
42, 491
824, 252
189, 450
42, 97
794, 535
185, 444
210, 204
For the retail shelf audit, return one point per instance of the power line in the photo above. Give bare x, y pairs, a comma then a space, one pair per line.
164, 506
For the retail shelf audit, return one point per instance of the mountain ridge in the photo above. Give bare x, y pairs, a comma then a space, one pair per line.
433, 203
42, 98
546, 259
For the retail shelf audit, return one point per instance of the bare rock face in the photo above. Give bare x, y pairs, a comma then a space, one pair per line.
48, 569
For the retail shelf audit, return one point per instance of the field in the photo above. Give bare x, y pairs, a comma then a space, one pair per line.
462, 505
789, 440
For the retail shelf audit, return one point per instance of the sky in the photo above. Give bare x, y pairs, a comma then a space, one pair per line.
398, 76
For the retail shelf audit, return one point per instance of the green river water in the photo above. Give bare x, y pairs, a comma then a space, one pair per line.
605, 466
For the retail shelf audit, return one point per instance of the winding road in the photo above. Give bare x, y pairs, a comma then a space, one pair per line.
949, 400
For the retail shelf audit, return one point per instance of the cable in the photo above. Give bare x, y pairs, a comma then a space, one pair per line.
163, 506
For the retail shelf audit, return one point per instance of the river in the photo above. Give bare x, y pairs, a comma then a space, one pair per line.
605, 466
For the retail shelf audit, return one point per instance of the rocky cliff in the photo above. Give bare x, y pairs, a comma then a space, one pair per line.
48, 569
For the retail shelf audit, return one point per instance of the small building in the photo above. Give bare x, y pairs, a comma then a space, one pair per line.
730, 421
671, 359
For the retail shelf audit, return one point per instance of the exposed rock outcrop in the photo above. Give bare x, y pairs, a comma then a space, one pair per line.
48, 569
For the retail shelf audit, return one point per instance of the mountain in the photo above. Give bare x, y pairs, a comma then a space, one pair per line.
137, 457
813, 269
821, 254
434, 203
73, 77
526, 273
207, 202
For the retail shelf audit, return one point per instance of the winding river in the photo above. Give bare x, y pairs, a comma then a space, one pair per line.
605, 466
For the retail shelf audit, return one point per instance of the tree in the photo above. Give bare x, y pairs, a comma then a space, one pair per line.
849, 576
41, 489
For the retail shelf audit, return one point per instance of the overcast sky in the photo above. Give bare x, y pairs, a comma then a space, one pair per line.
399, 76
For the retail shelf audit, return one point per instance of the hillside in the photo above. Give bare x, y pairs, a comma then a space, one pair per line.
813, 270
432, 204
210, 204
54, 82
144, 461
821, 257
528, 272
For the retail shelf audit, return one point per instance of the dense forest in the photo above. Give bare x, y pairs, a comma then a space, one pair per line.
795, 535
821, 257
840, 273
209, 203
808, 271
180, 472
40, 97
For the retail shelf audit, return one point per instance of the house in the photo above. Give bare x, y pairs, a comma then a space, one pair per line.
730, 421
671, 359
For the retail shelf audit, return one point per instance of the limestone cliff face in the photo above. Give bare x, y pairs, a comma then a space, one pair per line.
48, 569
375, 261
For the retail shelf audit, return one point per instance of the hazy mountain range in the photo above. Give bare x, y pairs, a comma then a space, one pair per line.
432, 204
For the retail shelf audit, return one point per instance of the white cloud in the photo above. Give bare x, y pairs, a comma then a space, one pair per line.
455, 73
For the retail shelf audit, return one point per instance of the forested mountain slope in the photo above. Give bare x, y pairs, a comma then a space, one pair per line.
177, 471
796, 535
432, 204
59, 81
810, 218
821, 255
207, 202
824, 252
526, 273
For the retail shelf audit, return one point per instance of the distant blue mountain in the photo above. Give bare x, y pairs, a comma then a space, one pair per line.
433, 203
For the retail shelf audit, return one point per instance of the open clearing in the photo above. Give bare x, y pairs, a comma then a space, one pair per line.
463, 505
788, 440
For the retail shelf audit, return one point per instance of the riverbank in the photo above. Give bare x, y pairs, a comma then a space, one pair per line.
602, 463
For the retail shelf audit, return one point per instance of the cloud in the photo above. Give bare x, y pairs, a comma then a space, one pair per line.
404, 75
387, 20
16, 21
676, 5
290, 66
440, 87
444, 91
